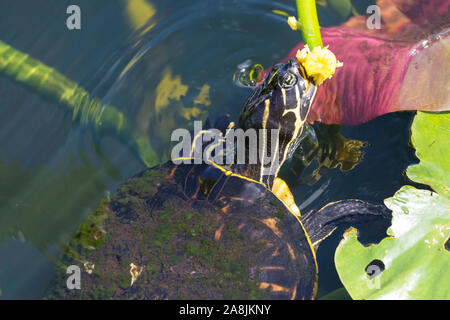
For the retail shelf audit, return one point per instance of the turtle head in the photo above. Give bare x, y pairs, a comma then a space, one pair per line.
281, 102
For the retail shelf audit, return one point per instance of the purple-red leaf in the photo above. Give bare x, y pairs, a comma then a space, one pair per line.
402, 66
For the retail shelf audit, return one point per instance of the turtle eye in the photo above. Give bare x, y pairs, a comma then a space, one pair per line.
289, 80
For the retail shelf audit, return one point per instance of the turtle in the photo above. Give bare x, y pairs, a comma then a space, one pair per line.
191, 229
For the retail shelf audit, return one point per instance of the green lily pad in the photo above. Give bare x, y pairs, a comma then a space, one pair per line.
412, 263
338, 294
431, 138
343, 8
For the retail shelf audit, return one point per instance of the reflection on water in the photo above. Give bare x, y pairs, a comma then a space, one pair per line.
162, 65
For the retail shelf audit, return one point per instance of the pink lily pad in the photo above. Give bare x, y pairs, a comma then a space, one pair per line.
402, 66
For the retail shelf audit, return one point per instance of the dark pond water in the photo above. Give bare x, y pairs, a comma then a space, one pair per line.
54, 172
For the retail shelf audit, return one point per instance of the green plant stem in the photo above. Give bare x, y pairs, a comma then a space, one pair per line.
52, 84
309, 23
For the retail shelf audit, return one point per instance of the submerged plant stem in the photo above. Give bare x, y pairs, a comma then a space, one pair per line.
53, 85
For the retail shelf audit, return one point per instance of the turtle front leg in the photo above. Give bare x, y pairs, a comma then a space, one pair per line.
281, 190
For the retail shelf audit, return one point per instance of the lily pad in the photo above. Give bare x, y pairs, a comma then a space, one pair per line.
343, 8
431, 138
412, 263
396, 66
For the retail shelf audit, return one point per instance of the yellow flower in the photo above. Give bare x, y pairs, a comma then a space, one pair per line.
292, 22
320, 63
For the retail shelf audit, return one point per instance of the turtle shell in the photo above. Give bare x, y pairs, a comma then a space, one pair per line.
190, 232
